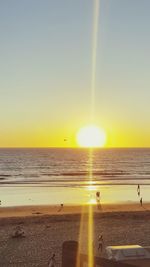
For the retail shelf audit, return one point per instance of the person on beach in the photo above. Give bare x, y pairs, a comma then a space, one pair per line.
100, 243
99, 207
98, 196
98, 200
138, 190
52, 261
61, 207
141, 201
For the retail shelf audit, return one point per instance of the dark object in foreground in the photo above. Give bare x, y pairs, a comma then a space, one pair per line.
69, 253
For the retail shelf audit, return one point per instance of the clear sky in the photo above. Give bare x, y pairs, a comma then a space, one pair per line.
45, 69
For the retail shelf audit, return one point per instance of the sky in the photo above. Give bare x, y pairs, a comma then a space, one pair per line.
45, 69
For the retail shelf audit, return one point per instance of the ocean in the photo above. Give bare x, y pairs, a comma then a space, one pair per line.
63, 173
70, 167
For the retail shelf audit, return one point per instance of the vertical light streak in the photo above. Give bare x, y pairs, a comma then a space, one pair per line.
80, 236
92, 115
90, 238
94, 54
90, 214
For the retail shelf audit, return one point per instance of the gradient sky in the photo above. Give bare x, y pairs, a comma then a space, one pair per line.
45, 67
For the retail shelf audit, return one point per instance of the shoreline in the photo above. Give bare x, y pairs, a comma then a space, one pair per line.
38, 195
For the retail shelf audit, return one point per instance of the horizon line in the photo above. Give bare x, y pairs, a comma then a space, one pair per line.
53, 147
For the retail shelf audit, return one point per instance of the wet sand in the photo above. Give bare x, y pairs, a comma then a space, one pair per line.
46, 229
27, 195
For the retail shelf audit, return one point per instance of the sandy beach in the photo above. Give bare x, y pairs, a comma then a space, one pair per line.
46, 229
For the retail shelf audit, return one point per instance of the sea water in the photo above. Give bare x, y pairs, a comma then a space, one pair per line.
53, 175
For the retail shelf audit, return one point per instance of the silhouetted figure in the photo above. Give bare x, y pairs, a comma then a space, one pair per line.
138, 190
98, 200
141, 201
100, 243
61, 207
52, 261
97, 195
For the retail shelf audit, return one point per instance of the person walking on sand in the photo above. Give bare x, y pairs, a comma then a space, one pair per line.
100, 243
138, 190
52, 261
61, 207
98, 200
98, 196
141, 201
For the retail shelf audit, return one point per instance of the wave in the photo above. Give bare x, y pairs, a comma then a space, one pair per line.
76, 183
6, 175
85, 173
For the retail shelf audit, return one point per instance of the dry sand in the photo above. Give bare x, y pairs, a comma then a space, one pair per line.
46, 229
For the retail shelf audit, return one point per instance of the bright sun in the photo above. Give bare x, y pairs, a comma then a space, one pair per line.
91, 136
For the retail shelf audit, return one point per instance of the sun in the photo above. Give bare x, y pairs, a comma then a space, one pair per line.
91, 136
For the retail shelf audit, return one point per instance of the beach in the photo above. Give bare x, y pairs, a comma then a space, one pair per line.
46, 229
35, 182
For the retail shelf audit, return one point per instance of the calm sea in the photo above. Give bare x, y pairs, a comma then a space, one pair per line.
69, 167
